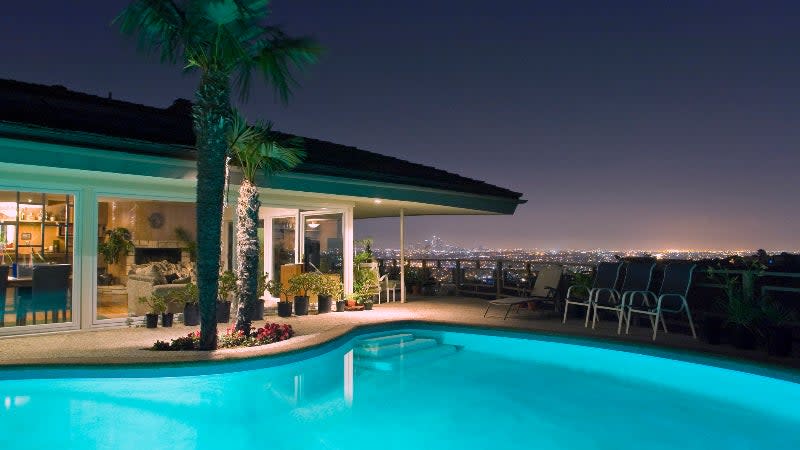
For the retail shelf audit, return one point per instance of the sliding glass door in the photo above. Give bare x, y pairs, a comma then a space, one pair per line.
323, 243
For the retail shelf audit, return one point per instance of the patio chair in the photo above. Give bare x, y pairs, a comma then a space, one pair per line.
544, 290
605, 281
637, 280
390, 286
671, 298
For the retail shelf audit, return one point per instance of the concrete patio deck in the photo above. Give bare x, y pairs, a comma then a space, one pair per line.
129, 345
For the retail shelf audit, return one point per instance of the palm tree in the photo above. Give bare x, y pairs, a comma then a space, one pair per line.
225, 40
254, 148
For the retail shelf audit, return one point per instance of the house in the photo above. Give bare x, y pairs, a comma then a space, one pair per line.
76, 168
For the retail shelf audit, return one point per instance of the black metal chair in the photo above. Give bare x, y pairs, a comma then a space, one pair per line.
605, 281
49, 291
638, 275
671, 298
3, 288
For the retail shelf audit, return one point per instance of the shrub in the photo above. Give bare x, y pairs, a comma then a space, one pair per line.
231, 338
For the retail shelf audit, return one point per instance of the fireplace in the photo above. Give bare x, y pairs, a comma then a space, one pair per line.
146, 255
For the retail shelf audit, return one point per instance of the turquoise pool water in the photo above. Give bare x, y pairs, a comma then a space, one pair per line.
485, 392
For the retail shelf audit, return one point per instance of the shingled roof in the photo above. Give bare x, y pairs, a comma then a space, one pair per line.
57, 108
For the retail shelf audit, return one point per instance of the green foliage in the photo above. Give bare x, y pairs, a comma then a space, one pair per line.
365, 284
302, 283
774, 313
189, 244
582, 283
742, 304
117, 241
365, 255
330, 286
155, 304
189, 294
257, 147
227, 285
224, 36
262, 284
274, 288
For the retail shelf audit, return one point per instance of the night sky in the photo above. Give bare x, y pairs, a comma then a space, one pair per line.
645, 124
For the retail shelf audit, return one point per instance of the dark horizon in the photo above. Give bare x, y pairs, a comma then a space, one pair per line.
625, 126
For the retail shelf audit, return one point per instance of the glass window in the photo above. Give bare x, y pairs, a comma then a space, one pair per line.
146, 248
36, 246
323, 243
283, 243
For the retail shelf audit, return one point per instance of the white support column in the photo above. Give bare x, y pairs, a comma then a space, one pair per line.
402, 256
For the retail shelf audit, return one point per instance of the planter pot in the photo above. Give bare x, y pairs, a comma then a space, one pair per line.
166, 319
779, 341
151, 320
285, 309
367, 306
712, 329
191, 314
223, 312
324, 304
339, 305
301, 305
258, 311
742, 337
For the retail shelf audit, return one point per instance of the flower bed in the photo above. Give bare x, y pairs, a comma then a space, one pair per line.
269, 333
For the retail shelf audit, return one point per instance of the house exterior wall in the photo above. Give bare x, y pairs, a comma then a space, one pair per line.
88, 187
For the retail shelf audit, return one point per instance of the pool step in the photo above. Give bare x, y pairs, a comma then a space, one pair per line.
382, 351
385, 340
395, 351
409, 359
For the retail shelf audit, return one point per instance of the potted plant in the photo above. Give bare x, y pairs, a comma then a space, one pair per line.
258, 312
328, 288
300, 285
275, 289
117, 241
188, 296
741, 306
156, 305
778, 334
413, 280
227, 286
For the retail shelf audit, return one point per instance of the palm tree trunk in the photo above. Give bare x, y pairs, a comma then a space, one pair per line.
212, 119
247, 254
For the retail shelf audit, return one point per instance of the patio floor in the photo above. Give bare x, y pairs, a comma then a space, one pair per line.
129, 345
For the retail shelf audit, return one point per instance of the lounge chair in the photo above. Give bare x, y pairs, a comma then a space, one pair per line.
544, 289
605, 281
671, 298
637, 280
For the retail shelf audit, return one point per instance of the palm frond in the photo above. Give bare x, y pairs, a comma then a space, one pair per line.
257, 147
159, 25
275, 55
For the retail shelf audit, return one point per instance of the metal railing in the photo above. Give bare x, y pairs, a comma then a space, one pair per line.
493, 278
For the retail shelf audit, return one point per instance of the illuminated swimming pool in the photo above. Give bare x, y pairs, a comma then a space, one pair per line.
420, 388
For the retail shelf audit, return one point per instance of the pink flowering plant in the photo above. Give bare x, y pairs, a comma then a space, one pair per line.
232, 338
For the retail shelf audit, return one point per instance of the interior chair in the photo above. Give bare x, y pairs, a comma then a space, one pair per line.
50, 291
637, 279
605, 281
544, 289
671, 298
3, 288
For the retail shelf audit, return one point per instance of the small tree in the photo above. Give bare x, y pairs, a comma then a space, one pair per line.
255, 149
